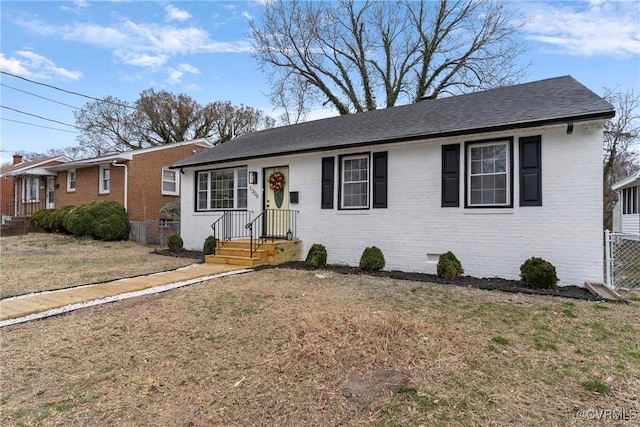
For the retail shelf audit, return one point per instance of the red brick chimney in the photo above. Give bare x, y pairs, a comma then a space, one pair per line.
17, 158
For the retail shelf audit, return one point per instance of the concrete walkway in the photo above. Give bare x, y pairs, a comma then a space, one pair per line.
48, 303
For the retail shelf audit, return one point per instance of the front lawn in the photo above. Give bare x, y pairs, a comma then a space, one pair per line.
39, 262
287, 347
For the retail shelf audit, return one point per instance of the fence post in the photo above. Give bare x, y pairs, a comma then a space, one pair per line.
607, 250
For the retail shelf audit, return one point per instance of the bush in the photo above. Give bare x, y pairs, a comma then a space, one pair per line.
51, 220
209, 247
449, 266
372, 259
102, 220
41, 218
317, 256
174, 241
537, 273
171, 210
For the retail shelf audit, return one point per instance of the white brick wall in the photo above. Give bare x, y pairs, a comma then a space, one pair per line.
566, 230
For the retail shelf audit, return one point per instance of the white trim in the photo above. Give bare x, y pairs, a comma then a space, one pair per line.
175, 181
74, 181
104, 182
367, 181
629, 181
507, 172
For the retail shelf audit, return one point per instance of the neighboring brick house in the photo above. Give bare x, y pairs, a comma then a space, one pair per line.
27, 187
140, 180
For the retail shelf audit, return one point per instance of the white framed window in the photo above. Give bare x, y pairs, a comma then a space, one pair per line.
105, 179
71, 180
30, 189
170, 182
630, 201
489, 175
222, 189
354, 182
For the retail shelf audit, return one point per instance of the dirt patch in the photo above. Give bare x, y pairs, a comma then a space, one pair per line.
293, 347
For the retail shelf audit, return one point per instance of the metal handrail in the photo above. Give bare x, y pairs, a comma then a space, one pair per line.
273, 218
230, 225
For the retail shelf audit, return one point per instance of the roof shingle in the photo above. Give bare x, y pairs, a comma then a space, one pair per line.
542, 102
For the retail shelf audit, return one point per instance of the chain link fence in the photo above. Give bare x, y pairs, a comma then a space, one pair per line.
153, 233
622, 260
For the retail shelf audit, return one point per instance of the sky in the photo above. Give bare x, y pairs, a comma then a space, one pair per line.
120, 48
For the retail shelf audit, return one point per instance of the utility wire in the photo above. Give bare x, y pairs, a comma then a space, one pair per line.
68, 91
39, 96
40, 117
40, 126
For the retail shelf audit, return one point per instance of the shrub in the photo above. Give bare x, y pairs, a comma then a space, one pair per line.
174, 241
449, 266
41, 218
171, 210
103, 220
317, 256
209, 247
372, 259
51, 220
537, 273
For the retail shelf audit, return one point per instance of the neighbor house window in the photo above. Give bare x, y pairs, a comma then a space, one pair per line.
170, 183
31, 189
489, 174
630, 201
105, 179
71, 180
354, 188
222, 189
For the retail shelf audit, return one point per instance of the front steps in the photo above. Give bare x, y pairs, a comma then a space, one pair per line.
236, 252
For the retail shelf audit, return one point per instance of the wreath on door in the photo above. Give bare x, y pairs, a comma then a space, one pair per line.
276, 181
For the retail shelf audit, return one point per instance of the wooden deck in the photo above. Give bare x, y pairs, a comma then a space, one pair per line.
237, 252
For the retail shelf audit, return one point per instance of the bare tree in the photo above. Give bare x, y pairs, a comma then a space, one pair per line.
158, 118
351, 54
621, 139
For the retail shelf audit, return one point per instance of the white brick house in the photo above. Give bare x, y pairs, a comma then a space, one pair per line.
496, 177
627, 210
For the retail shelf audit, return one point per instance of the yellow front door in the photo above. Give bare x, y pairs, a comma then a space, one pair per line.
276, 218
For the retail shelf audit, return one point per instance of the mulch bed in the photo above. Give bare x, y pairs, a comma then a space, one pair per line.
488, 283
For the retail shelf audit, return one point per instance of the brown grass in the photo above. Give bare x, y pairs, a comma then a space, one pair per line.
284, 347
38, 262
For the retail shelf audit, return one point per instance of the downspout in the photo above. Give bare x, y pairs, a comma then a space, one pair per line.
126, 183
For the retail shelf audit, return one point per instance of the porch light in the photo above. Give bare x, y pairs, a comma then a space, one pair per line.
253, 177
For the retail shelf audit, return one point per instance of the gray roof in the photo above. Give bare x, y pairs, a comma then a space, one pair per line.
554, 100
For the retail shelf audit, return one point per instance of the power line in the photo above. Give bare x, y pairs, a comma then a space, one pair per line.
40, 126
68, 91
40, 117
39, 96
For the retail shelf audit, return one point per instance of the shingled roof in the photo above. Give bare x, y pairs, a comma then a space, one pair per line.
543, 102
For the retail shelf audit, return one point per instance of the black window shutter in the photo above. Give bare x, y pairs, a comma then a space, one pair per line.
451, 176
531, 171
328, 164
380, 180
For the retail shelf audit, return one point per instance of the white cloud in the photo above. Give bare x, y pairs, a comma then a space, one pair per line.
139, 44
176, 73
600, 27
247, 16
29, 64
78, 6
175, 14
